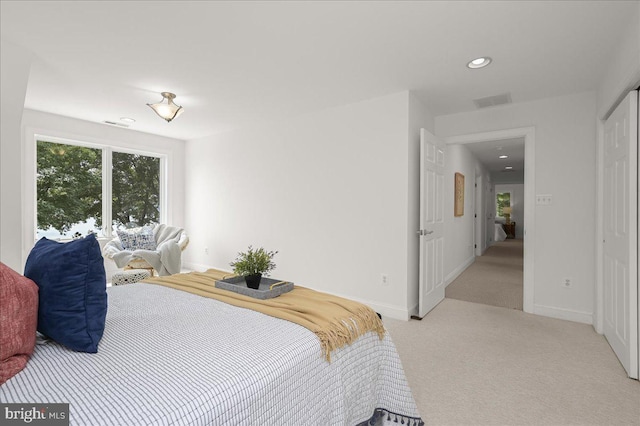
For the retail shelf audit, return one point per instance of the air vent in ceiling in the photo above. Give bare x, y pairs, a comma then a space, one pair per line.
115, 124
490, 101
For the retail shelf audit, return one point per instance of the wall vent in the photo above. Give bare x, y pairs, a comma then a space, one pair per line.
490, 101
113, 123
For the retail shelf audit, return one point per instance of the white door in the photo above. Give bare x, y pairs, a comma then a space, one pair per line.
621, 233
478, 223
431, 222
489, 212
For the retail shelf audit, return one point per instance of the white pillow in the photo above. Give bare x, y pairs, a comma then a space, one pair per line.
137, 238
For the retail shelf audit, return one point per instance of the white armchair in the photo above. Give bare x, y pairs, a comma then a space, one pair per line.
166, 259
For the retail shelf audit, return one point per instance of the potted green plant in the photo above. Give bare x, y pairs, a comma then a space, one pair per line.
252, 264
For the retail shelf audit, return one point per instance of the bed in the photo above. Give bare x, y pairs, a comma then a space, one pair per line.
172, 357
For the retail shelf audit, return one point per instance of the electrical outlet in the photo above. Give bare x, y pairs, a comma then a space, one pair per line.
567, 282
384, 280
206, 250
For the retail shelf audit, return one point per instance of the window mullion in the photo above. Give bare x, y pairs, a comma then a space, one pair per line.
164, 211
107, 229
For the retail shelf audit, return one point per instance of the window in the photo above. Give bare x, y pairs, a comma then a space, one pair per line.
69, 189
135, 189
503, 200
81, 187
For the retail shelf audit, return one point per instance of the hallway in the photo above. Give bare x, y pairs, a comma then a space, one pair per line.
495, 278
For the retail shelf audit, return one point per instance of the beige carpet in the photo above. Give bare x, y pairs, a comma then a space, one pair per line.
495, 278
473, 364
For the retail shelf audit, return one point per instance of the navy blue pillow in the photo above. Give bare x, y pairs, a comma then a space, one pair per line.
72, 291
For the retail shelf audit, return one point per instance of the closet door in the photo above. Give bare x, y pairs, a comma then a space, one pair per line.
621, 233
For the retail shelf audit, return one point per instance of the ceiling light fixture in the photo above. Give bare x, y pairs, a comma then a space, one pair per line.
168, 111
127, 120
480, 62
504, 156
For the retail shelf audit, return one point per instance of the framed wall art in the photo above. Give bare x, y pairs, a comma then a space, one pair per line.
458, 203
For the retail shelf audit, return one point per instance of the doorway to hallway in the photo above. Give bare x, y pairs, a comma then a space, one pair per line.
528, 220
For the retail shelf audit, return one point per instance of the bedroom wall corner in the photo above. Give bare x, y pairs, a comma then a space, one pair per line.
623, 71
15, 65
327, 189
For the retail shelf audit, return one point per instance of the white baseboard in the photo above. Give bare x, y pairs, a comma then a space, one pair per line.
390, 311
460, 269
564, 314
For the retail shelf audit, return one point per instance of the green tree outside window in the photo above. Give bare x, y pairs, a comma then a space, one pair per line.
69, 185
503, 200
136, 189
70, 191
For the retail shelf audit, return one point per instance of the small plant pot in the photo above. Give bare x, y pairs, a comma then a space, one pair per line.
253, 280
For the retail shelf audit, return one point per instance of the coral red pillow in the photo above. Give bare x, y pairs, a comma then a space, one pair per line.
18, 321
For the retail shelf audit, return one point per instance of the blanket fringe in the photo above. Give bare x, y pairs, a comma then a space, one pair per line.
343, 332
380, 415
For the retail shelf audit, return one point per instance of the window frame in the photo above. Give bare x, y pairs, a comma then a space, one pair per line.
107, 151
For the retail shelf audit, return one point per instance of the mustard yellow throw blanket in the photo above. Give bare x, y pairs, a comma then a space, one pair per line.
336, 321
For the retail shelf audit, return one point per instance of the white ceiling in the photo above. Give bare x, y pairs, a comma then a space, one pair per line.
233, 64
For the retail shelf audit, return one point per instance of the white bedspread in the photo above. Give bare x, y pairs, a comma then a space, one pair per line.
170, 357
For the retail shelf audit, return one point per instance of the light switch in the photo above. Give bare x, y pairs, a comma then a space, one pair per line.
544, 199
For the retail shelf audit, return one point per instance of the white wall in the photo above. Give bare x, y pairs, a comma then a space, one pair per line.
42, 123
565, 138
15, 64
459, 231
329, 190
517, 204
623, 72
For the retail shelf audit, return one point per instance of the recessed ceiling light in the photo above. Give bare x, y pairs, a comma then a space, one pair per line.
504, 156
508, 168
480, 62
127, 120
